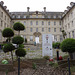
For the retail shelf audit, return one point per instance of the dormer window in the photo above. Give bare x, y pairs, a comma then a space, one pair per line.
13, 16
18, 16
24, 16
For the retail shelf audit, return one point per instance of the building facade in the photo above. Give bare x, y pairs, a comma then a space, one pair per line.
38, 23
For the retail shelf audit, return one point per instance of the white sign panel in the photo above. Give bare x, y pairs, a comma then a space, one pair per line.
47, 45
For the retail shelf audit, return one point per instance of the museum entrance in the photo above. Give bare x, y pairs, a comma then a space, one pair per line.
37, 37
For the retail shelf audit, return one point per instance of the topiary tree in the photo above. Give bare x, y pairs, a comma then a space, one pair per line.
17, 40
68, 45
18, 27
8, 33
20, 52
9, 48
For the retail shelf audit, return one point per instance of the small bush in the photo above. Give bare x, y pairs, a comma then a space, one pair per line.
56, 45
34, 66
20, 52
46, 57
18, 40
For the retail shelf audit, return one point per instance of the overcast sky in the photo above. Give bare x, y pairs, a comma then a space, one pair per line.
37, 5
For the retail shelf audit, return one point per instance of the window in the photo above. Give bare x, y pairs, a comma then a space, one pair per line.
1, 14
42, 16
55, 38
18, 16
54, 23
54, 29
0, 35
73, 34
49, 29
60, 29
36, 22
1, 23
42, 29
31, 38
24, 23
24, 16
5, 17
61, 37
49, 23
4, 25
69, 35
13, 16
42, 23
31, 23
36, 16
31, 29
59, 22
36, 29
72, 23
30, 16
68, 25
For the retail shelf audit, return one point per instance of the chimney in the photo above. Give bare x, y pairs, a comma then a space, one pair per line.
28, 9
5, 7
65, 11
68, 7
8, 11
44, 9
2, 3
72, 3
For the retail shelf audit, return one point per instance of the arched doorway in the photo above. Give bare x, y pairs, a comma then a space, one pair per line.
37, 37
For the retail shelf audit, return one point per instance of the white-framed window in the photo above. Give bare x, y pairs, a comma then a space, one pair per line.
24, 22
18, 16
54, 29
73, 34
31, 38
55, 38
24, 16
31, 29
49, 29
36, 29
42, 22
36, 16
49, 23
36, 22
31, 23
54, 23
42, 29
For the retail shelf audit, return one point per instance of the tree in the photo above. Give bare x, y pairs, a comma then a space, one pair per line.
68, 45
8, 33
18, 27
63, 33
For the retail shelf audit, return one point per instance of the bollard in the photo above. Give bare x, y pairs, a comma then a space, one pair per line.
18, 65
69, 66
57, 55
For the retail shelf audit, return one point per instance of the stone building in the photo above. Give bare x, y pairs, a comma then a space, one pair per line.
38, 23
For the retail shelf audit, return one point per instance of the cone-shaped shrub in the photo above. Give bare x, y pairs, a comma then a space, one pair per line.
20, 52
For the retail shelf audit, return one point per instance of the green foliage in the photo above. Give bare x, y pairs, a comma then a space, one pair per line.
51, 63
17, 40
20, 52
7, 32
8, 47
34, 66
68, 45
21, 45
63, 33
46, 57
18, 26
56, 45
